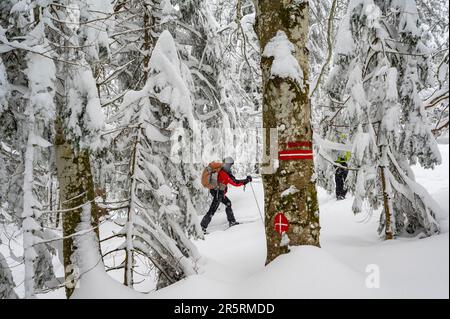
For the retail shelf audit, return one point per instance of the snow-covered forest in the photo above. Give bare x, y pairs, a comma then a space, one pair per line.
134, 134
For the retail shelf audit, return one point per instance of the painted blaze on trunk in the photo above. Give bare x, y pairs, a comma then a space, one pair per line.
286, 107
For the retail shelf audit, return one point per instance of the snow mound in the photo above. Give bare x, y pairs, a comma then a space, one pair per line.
94, 282
307, 272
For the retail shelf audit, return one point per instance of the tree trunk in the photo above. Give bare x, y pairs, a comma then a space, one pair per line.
129, 248
28, 214
287, 111
387, 195
148, 41
76, 189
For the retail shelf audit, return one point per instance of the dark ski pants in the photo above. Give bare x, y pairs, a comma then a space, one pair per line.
340, 177
218, 197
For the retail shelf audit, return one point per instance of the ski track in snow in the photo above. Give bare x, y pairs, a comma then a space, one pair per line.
233, 264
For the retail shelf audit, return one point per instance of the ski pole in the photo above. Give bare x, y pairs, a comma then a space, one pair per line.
257, 204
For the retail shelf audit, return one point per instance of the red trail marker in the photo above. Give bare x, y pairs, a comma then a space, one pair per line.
281, 223
293, 153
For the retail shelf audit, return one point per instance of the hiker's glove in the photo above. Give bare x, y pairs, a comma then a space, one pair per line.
248, 180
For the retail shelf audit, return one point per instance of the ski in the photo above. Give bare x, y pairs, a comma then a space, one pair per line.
217, 229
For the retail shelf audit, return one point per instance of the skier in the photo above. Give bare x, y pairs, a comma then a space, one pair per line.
216, 178
341, 176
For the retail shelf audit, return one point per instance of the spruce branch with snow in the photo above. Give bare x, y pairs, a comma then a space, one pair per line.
380, 66
161, 217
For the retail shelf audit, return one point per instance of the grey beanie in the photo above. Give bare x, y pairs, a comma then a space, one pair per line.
228, 160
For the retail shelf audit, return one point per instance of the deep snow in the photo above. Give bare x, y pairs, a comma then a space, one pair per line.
233, 263
408, 268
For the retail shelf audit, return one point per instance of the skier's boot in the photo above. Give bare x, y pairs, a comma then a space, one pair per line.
234, 224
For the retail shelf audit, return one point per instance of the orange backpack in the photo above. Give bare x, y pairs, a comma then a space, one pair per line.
210, 175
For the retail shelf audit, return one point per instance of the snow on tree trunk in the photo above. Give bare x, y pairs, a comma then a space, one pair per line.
79, 120
282, 28
32, 110
76, 189
129, 258
29, 224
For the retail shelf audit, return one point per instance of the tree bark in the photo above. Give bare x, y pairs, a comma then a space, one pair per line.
286, 108
28, 214
387, 194
129, 248
148, 41
76, 189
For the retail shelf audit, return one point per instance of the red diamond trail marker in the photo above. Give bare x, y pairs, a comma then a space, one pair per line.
281, 223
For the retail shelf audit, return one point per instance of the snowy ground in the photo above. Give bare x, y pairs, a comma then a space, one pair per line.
233, 265
409, 268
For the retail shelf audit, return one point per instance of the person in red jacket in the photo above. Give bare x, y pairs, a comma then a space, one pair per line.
224, 178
